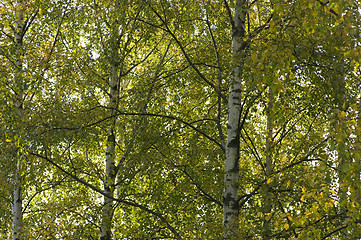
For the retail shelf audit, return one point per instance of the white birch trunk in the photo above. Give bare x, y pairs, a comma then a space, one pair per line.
358, 149
340, 132
341, 138
17, 224
110, 167
17, 205
231, 176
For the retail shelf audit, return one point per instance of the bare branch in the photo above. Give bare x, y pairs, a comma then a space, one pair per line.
230, 15
219, 78
324, 4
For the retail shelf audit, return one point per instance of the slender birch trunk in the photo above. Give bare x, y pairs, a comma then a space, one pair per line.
356, 184
358, 155
17, 203
231, 176
266, 231
17, 224
110, 166
342, 192
341, 138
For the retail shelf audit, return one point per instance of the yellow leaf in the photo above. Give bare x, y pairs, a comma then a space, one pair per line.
254, 57
344, 106
286, 226
356, 67
272, 25
269, 181
288, 184
290, 218
292, 75
8, 140
342, 114
303, 198
328, 205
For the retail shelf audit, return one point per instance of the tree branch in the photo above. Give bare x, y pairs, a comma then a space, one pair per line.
185, 54
230, 15
127, 202
149, 115
219, 79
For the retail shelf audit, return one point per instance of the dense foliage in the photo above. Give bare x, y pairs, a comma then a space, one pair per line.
172, 61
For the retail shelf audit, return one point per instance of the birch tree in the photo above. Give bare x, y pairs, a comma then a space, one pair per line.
110, 165
125, 138
231, 177
19, 33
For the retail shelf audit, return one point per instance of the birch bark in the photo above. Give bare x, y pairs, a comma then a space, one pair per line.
17, 224
341, 137
358, 159
231, 176
110, 167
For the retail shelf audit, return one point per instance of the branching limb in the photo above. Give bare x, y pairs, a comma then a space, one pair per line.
230, 15
127, 202
219, 79
185, 54
149, 115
